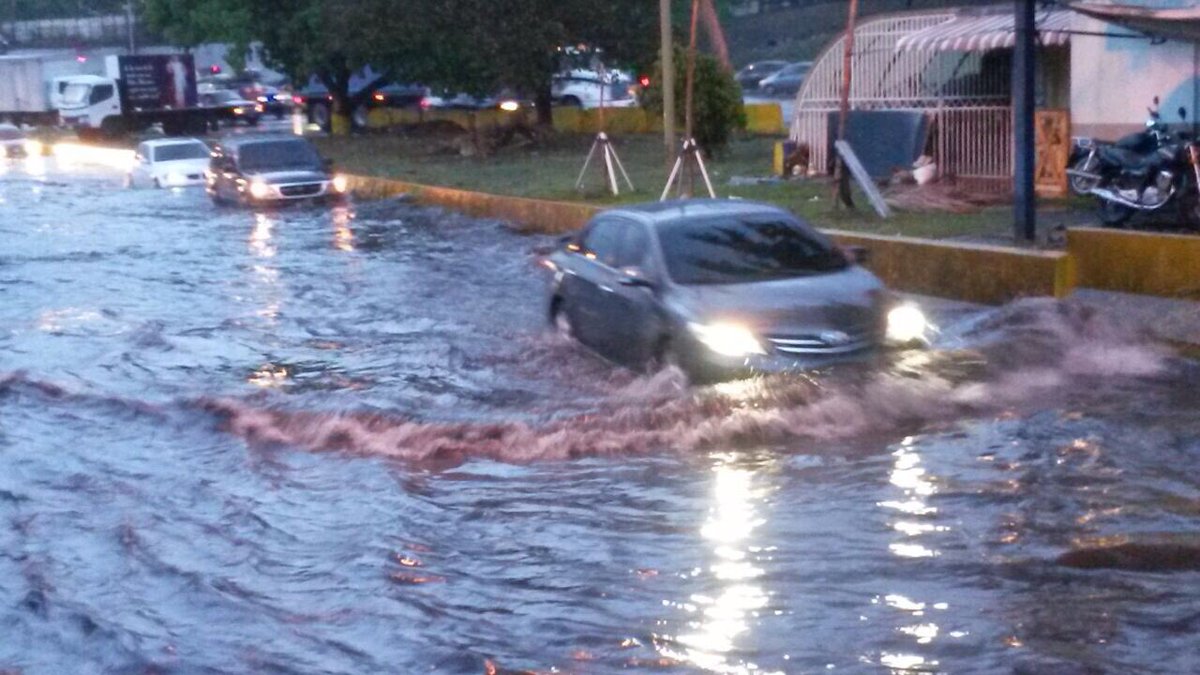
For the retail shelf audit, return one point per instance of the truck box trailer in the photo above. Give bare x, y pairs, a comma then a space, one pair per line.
31, 84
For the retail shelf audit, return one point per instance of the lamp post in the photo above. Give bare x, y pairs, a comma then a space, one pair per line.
1023, 69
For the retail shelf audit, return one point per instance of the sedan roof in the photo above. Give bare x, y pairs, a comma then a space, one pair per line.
658, 214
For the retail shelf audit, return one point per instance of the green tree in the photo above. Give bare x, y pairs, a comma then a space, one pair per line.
717, 100
303, 38
476, 46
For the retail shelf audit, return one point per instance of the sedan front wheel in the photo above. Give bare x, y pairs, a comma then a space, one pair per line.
562, 322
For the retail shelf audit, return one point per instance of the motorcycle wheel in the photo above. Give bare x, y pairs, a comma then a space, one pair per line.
1113, 214
1080, 185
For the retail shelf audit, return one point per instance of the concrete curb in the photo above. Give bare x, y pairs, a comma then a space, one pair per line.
1170, 264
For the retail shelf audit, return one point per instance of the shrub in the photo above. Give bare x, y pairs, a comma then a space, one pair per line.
717, 100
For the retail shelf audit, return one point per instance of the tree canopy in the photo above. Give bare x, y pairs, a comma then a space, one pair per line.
474, 46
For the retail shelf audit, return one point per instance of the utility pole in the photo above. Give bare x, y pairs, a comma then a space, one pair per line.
668, 79
841, 175
1023, 72
129, 26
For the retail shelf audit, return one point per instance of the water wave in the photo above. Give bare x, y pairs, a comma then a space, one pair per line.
1024, 354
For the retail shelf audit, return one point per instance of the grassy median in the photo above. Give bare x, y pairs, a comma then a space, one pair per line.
549, 167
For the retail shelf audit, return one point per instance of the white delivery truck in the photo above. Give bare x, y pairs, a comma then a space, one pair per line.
31, 84
136, 91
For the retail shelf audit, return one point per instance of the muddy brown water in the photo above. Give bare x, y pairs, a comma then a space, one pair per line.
314, 441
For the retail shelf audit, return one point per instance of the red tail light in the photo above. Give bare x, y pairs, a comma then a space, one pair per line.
298, 100
644, 80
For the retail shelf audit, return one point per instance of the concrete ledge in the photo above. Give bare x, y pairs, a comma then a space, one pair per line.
975, 273
1149, 263
527, 215
983, 274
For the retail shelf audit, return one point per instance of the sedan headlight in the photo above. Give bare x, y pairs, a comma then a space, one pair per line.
906, 324
259, 189
727, 339
340, 183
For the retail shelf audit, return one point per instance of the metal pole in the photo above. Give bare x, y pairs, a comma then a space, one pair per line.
1023, 73
668, 78
841, 176
129, 26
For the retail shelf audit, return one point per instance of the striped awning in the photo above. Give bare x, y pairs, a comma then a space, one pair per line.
1179, 23
985, 32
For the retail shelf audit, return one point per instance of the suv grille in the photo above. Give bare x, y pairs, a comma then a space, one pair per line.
301, 190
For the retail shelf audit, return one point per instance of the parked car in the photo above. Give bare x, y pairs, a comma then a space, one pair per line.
786, 80
169, 162
719, 288
752, 74
317, 102
589, 89
230, 107
13, 142
273, 101
266, 170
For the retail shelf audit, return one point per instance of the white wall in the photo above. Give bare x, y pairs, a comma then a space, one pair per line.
1114, 79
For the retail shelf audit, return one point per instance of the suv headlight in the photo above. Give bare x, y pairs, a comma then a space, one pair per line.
259, 189
339, 183
727, 339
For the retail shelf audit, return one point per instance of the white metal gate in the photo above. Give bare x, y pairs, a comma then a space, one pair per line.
965, 94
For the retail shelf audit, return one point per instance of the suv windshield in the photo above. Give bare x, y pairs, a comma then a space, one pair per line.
732, 250
277, 155
167, 153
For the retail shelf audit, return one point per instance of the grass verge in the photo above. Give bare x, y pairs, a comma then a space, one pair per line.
549, 170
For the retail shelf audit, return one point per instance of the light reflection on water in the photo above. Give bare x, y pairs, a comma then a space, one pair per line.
726, 617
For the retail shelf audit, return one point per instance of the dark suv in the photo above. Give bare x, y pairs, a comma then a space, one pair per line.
270, 170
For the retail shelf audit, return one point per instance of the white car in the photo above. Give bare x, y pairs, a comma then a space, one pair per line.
169, 162
589, 89
13, 142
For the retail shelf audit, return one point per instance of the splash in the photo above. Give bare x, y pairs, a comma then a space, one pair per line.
1025, 355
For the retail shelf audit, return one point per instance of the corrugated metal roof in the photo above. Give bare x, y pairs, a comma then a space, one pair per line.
984, 32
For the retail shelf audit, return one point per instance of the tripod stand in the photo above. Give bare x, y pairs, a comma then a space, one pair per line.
688, 161
610, 159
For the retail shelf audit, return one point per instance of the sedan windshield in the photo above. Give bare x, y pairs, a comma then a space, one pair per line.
275, 156
730, 251
174, 151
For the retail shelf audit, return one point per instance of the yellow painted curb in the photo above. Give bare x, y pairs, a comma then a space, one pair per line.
1150, 263
526, 215
975, 273
983, 274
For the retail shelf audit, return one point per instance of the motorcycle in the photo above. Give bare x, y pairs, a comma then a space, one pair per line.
1142, 172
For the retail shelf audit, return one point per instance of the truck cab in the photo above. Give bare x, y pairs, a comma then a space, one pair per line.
87, 100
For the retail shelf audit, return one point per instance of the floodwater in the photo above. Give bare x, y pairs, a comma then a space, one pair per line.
343, 441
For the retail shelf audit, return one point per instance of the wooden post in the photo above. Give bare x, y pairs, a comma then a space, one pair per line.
667, 57
713, 25
841, 176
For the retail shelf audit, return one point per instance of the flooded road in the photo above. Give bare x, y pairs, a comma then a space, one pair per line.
314, 441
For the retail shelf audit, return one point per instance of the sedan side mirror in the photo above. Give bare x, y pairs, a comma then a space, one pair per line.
634, 277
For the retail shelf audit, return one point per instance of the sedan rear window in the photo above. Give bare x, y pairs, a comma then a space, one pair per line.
271, 156
730, 251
